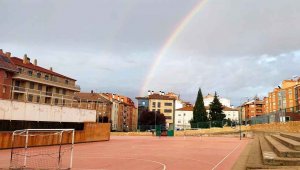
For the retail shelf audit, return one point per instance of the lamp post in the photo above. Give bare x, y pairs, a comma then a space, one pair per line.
240, 116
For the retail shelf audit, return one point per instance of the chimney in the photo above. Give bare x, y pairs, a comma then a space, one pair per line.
8, 54
25, 59
51, 69
92, 91
149, 92
152, 92
113, 96
35, 62
122, 100
118, 98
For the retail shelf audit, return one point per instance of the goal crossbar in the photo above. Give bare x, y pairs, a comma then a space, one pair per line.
60, 131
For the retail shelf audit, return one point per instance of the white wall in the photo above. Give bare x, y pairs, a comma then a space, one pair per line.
182, 120
224, 101
114, 115
178, 104
13, 110
233, 115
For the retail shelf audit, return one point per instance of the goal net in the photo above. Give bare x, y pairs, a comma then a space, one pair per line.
42, 149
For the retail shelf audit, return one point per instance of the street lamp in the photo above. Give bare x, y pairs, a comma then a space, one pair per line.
240, 116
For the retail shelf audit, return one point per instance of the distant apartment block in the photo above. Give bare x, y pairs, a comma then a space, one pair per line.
124, 112
253, 108
165, 103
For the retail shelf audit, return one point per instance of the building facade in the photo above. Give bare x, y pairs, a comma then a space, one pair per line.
7, 71
209, 98
159, 102
183, 117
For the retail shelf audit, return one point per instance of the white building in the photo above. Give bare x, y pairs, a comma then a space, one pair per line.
209, 98
231, 113
183, 116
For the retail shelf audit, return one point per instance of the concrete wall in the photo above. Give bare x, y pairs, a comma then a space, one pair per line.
92, 132
13, 110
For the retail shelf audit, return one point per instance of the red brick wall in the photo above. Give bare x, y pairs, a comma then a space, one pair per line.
5, 83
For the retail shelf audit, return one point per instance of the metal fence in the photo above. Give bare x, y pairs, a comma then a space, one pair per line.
284, 115
209, 124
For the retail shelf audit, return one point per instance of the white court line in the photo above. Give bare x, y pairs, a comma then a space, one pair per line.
147, 160
225, 157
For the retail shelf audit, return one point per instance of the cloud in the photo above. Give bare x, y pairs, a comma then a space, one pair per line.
237, 48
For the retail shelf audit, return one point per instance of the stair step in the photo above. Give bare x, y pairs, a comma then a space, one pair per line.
288, 142
282, 150
270, 157
294, 136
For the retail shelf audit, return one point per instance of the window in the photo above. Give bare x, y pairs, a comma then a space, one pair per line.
20, 70
66, 81
179, 114
46, 77
5, 75
158, 104
64, 102
179, 121
168, 104
153, 104
168, 110
38, 99
30, 97
29, 72
4, 90
57, 90
64, 91
143, 103
56, 101
40, 87
31, 85
158, 110
168, 117
38, 75
153, 110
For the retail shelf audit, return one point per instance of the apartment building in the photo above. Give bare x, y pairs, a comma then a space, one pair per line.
283, 97
161, 102
124, 112
33, 83
253, 108
95, 101
183, 116
7, 70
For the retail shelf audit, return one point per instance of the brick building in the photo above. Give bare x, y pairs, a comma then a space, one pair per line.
253, 108
7, 70
126, 118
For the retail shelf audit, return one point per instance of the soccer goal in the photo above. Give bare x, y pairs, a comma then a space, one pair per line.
42, 149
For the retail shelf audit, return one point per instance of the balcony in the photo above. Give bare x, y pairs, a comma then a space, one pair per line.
42, 80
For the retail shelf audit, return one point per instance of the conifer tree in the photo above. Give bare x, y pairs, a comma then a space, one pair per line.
199, 112
216, 109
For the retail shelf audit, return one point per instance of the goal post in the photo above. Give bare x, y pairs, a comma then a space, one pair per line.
42, 149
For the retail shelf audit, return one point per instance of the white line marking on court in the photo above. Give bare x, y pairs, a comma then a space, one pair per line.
147, 160
225, 157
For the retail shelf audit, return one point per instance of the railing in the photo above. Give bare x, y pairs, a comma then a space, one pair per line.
47, 81
283, 115
31, 95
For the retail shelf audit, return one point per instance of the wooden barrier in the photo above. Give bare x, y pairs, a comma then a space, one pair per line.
92, 132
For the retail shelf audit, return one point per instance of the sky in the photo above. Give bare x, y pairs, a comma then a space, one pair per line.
238, 48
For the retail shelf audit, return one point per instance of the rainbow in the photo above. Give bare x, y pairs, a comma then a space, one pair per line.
169, 41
